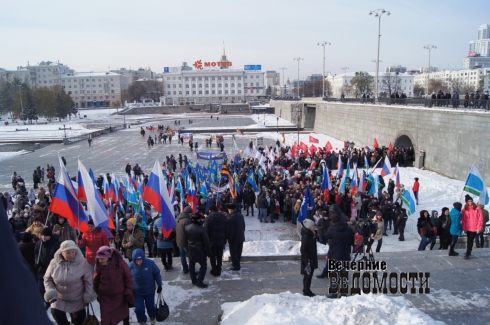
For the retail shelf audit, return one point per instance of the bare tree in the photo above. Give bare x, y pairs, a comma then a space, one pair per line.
418, 90
391, 81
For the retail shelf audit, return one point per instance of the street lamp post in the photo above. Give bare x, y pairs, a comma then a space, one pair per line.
277, 127
283, 68
323, 43
378, 13
429, 47
64, 128
298, 59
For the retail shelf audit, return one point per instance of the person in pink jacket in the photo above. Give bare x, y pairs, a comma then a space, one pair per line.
472, 221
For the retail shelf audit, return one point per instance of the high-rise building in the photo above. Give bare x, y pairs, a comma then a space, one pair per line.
479, 50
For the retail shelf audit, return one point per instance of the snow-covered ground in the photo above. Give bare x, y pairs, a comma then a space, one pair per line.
289, 308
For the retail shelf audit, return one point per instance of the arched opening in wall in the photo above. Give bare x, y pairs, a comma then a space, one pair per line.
409, 156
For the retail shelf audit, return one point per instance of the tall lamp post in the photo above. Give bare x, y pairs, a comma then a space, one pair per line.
323, 43
429, 47
283, 68
298, 59
277, 126
377, 14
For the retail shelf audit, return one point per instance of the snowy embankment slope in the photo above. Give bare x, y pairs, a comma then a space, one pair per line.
289, 308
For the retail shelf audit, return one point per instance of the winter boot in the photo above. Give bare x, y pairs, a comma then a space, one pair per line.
432, 245
153, 321
218, 271
451, 251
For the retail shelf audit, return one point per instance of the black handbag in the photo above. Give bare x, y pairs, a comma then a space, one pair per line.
90, 319
162, 311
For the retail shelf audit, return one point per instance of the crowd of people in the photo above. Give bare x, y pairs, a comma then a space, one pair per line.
350, 221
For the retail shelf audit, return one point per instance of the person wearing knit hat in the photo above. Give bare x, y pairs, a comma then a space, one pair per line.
472, 221
47, 232
36, 228
188, 209
104, 252
68, 292
27, 247
309, 259
199, 248
133, 238
45, 251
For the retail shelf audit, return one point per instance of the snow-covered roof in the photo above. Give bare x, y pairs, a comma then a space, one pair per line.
89, 74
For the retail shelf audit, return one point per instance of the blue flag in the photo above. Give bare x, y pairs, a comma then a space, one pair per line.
305, 206
251, 180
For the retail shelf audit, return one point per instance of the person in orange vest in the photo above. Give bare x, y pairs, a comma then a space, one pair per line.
415, 189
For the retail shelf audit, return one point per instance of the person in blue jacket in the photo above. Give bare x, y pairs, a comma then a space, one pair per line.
145, 274
456, 227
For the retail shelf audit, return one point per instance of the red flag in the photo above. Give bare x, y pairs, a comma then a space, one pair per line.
328, 147
390, 148
294, 150
312, 149
314, 140
303, 146
375, 144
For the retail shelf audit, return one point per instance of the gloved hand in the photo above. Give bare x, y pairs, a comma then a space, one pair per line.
159, 289
129, 299
131, 238
80, 236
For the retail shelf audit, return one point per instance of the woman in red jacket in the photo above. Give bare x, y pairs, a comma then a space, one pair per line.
92, 240
472, 223
113, 283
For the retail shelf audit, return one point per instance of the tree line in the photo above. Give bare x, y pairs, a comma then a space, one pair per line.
27, 104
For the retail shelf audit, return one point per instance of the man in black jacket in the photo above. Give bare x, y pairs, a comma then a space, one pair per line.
400, 224
235, 233
183, 220
44, 253
250, 200
198, 248
215, 226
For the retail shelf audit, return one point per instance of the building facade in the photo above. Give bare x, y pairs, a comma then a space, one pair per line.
479, 50
467, 80
133, 75
94, 89
45, 74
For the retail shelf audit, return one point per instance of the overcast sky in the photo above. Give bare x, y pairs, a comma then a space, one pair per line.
95, 35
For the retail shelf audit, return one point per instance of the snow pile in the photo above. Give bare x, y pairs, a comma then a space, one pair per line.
10, 154
274, 247
288, 308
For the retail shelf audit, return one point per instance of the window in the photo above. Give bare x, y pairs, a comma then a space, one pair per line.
68, 87
200, 85
112, 91
87, 80
193, 85
207, 92
246, 84
63, 81
232, 78
186, 86
94, 91
226, 92
256, 84
239, 77
111, 79
200, 78
180, 92
239, 84
186, 79
112, 85
257, 77
219, 85
88, 97
213, 92
219, 78
173, 78
226, 85
180, 85
169, 93
233, 84
99, 80
212, 85
175, 93
193, 78
168, 86
174, 86
76, 92
212, 78
200, 92
168, 78
219, 92
187, 92
205, 78
232, 92
239, 91
193, 92
93, 80
226, 78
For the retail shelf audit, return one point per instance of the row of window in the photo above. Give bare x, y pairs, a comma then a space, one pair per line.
212, 85
88, 86
86, 80
93, 92
94, 97
213, 78
213, 92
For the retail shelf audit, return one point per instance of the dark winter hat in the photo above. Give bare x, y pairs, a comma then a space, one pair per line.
396, 203
467, 198
404, 210
188, 209
416, 178
195, 216
37, 219
90, 222
457, 205
231, 206
213, 208
47, 232
26, 237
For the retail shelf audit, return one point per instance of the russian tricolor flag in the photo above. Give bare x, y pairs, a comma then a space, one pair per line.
65, 202
192, 197
386, 170
156, 194
353, 182
340, 166
88, 192
397, 178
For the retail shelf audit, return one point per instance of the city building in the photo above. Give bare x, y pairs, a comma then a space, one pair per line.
94, 89
467, 80
212, 82
273, 80
479, 50
45, 74
133, 75
398, 82
396, 68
